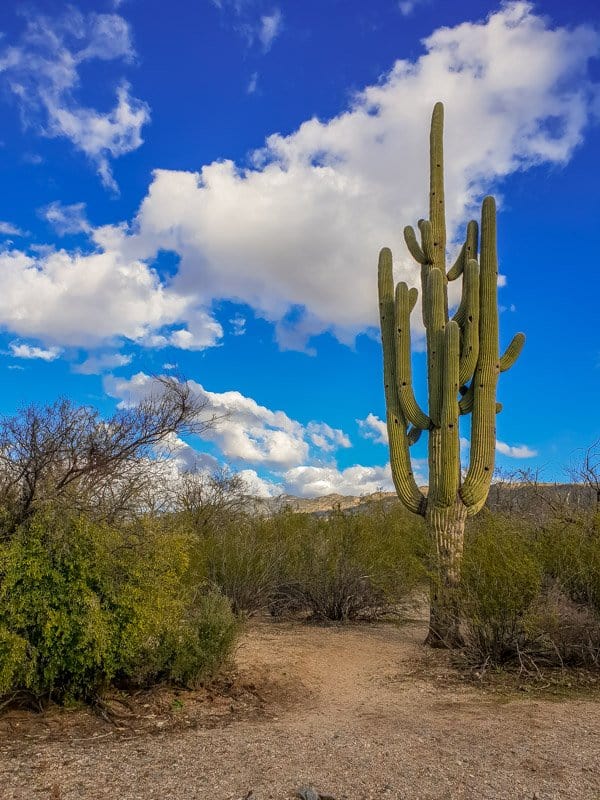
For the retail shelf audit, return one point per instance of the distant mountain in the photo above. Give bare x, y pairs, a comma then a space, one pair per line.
529, 499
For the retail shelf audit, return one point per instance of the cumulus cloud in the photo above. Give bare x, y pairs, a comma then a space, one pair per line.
42, 71
259, 487
515, 451
373, 428
83, 300
317, 204
314, 481
276, 454
31, 351
245, 431
325, 437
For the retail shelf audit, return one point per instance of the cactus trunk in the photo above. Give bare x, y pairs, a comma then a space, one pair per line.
446, 526
463, 366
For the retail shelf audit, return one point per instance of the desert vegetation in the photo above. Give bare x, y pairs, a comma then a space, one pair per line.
134, 599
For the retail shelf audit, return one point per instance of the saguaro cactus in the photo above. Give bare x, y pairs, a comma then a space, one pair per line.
463, 365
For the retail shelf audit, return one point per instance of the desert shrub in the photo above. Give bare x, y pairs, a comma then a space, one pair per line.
561, 632
570, 551
502, 576
83, 604
192, 649
348, 565
243, 558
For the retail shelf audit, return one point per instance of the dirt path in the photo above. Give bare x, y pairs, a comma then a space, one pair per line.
360, 712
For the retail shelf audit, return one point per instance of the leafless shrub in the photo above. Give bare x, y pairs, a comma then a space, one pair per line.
68, 454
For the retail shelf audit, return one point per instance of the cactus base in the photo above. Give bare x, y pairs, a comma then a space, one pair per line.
447, 530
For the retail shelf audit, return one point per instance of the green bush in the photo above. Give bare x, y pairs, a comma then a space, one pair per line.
83, 604
502, 576
570, 551
336, 567
243, 557
348, 565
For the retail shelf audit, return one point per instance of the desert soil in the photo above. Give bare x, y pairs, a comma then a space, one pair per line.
356, 712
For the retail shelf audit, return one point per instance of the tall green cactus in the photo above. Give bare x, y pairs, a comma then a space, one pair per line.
463, 365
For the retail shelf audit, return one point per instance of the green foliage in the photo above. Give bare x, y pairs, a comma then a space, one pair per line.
354, 564
530, 594
336, 567
346, 565
502, 575
571, 554
243, 556
83, 604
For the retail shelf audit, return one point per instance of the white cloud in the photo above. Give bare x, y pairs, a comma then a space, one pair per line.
373, 428
66, 218
270, 28
42, 71
515, 451
31, 351
257, 486
97, 364
257, 438
83, 300
8, 229
245, 432
317, 205
310, 481
325, 437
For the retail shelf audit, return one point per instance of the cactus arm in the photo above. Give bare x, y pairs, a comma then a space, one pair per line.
465, 404
483, 426
413, 435
402, 473
437, 213
450, 445
427, 240
413, 296
470, 326
471, 241
410, 408
456, 269
513, 351
467, 251
413, 245
435, 302
476, 507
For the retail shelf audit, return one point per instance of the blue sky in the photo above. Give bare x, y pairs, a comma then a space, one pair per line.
201, 188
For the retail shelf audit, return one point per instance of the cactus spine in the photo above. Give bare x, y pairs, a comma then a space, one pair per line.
463, 365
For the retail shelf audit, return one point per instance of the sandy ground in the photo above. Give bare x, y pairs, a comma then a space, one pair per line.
356, 712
